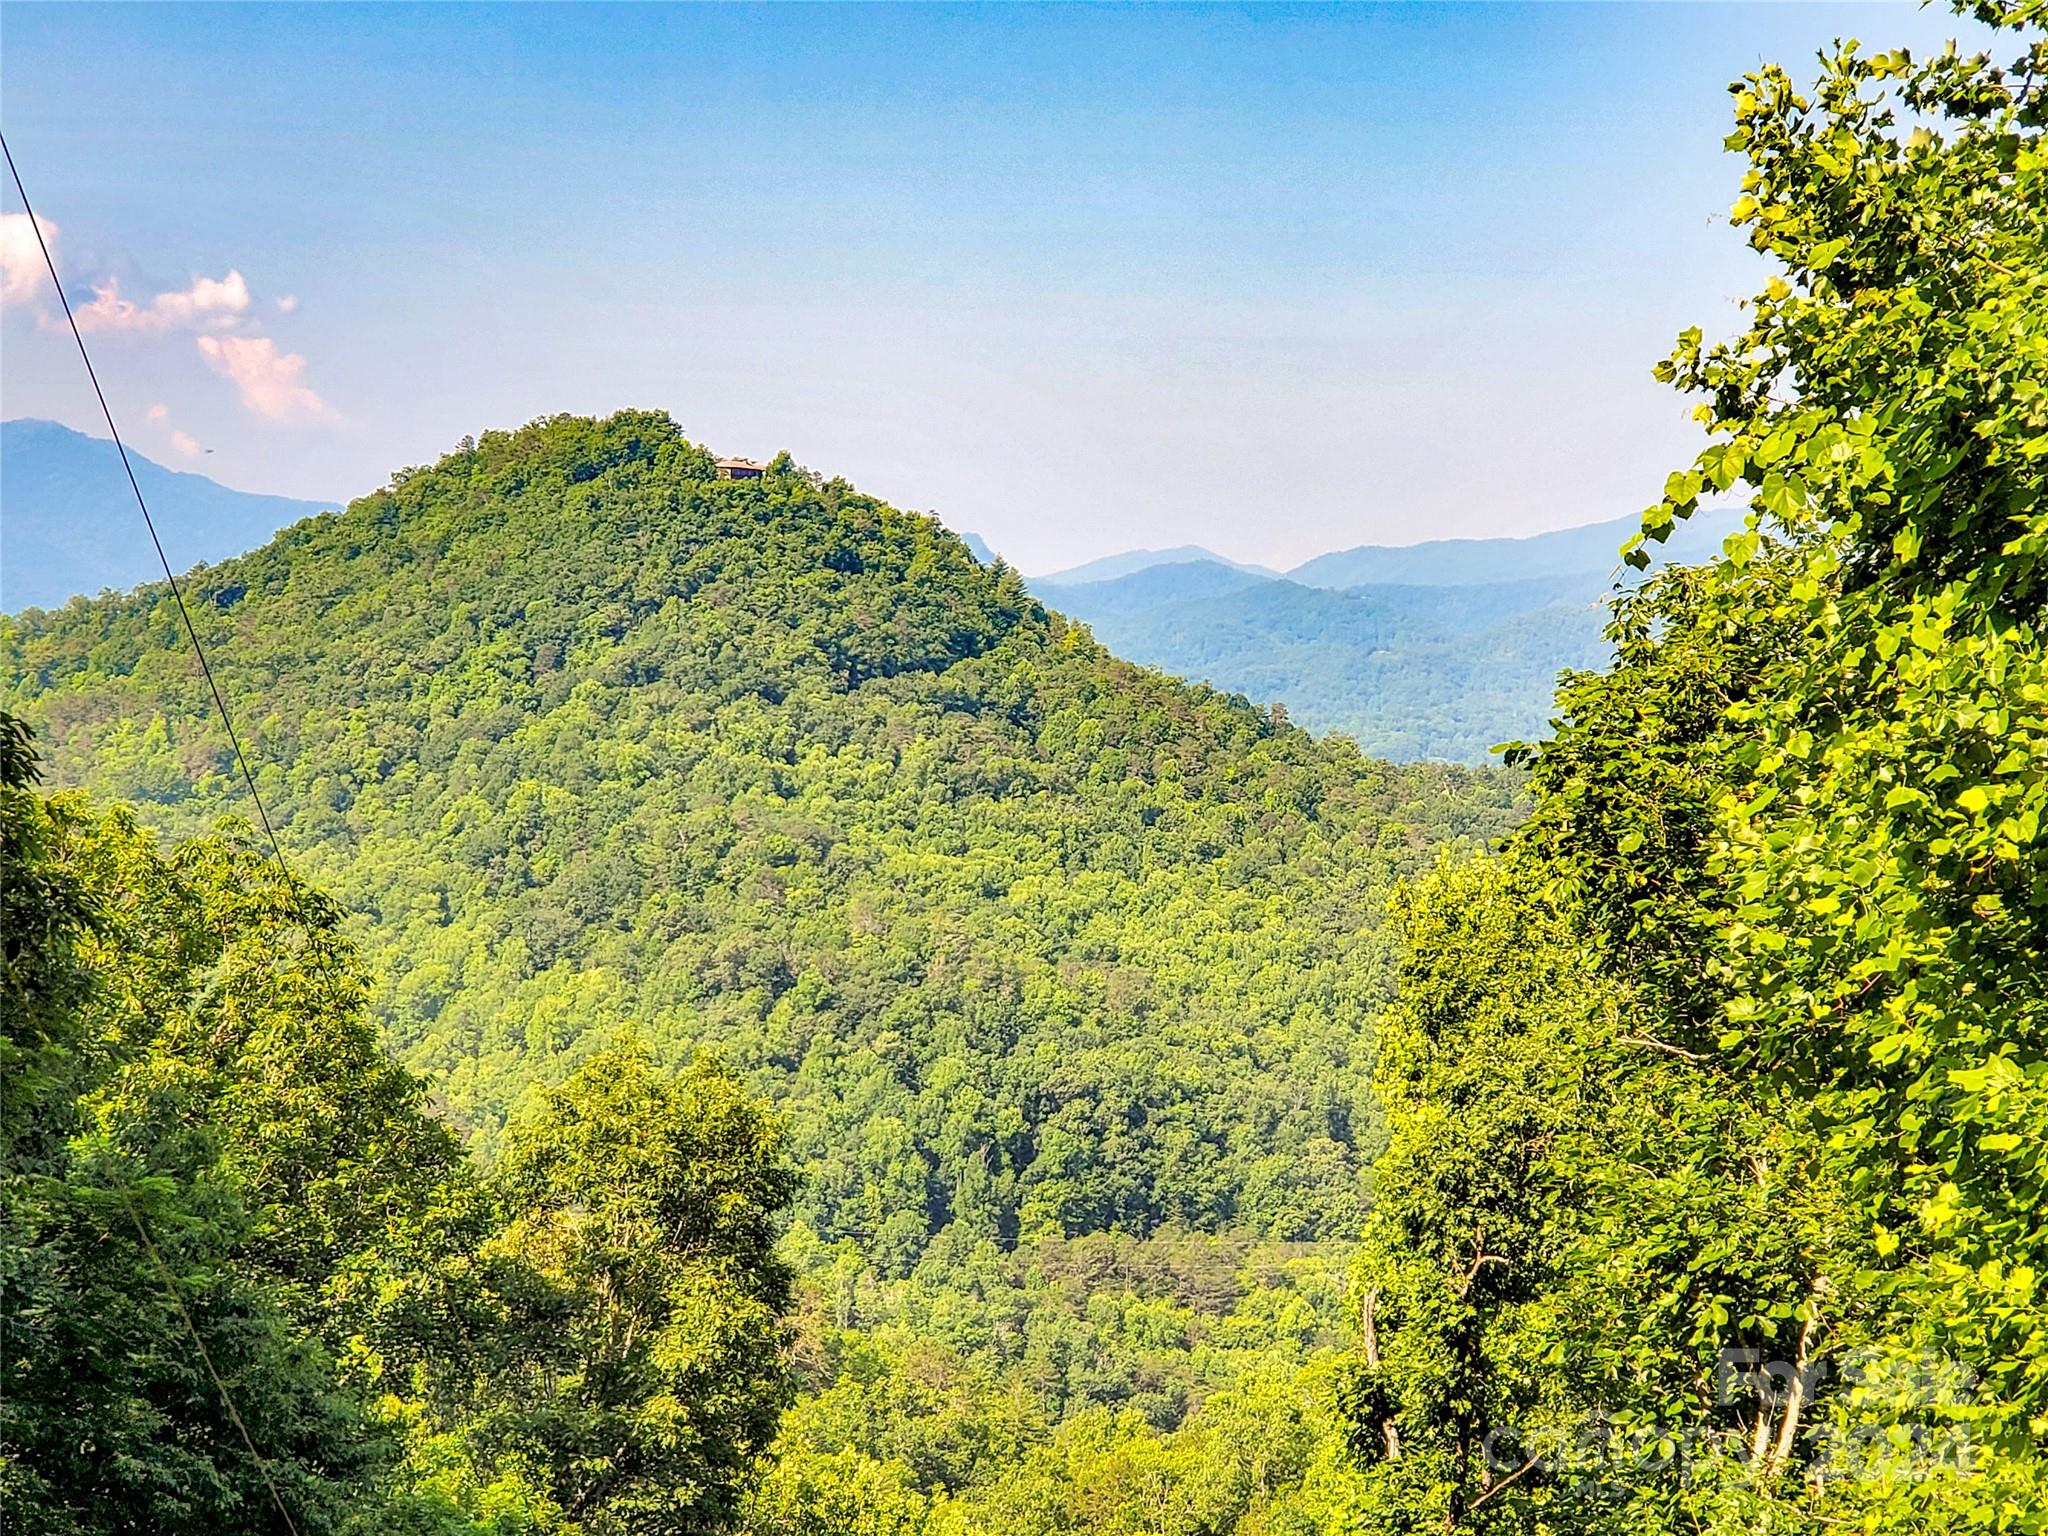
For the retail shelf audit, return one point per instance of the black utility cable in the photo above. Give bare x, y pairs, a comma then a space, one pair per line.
121, 1188
184, 613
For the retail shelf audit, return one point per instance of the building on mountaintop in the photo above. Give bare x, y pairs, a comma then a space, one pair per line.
740, 469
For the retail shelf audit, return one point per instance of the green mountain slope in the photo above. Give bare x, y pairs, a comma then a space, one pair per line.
1409, 672
1025, 940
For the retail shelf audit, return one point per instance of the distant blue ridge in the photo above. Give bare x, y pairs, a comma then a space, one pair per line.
1466, 562
1438, 650
68, 524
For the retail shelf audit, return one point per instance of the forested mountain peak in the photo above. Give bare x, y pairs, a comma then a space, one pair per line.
571, 516
1024, 937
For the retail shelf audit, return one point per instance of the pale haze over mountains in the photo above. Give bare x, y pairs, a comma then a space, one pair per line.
1129, 561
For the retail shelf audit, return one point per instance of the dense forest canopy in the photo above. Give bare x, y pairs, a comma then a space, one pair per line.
1024, 937
251, 1284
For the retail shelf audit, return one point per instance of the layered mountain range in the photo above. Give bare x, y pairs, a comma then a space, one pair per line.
1434, 650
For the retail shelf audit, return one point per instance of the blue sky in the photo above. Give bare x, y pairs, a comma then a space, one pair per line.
1273, 279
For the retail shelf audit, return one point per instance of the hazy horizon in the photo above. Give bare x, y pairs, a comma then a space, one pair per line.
1274, 281
972, 534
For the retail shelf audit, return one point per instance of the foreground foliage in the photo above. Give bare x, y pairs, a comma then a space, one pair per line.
251, 1284
1715, 1194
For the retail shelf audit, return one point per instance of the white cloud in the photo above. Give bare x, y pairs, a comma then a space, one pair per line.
209, 301
287, 303
159, 412
268, 379
22, 273
186, 444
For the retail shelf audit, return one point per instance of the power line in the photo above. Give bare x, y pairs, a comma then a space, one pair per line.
177, 593
276, 853
206, 1359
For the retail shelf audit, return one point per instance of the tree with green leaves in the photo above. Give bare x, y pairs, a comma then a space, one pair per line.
1794, 1274
649, 1372
1484, 1070
151, 1378
252, 1284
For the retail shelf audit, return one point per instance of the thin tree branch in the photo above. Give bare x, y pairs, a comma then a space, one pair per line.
1697, 1058
1497, 1487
